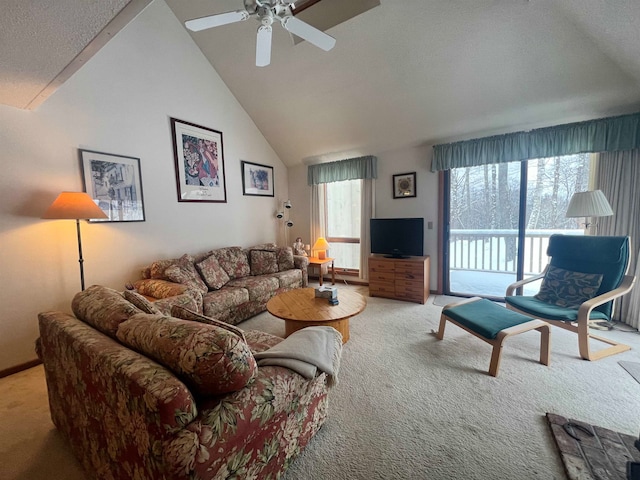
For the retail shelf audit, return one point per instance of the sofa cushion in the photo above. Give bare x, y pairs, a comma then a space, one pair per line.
210, 360
260, 341
263, 261
212, 272
289, 278
103, 308
285, 258
263, 246
140, 301
158, 288
259, 288
234, 261
184, 272
157, 268
178, 311
223, 299
190, 300
566, 288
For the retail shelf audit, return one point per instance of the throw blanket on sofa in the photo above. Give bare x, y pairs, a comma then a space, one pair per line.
307, 351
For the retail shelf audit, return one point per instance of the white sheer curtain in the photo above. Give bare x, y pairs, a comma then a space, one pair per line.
618, 176
318, 214
367, 211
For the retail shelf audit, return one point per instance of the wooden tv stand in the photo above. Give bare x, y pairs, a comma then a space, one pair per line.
399, 278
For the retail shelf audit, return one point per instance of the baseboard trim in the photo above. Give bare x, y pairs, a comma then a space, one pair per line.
20, 368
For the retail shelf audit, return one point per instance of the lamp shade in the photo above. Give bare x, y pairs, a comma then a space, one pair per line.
321, 244
589, 204
73, 206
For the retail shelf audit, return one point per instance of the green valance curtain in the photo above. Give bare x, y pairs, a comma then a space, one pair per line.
602, 135
350, 169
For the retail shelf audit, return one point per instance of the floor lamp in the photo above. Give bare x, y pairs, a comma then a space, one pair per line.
74, 206
589, 204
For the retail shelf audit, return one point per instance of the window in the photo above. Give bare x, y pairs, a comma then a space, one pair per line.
343, 222
501, 216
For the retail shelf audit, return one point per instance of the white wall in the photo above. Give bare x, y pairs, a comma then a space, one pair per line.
119, 102
425, 204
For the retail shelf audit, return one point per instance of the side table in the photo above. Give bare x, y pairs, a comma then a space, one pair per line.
322, 261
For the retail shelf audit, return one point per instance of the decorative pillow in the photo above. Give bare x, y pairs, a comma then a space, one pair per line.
285, 258
179, 311
157, 268
234, 261
210, 360
141, 302
191, 300
185, 273
213, 274
264, 246
263, 262
566, 288
157, 288
102, 308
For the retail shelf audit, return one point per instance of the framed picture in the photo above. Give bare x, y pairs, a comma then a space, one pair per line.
199, 163
115, 183
404, 185
257, 179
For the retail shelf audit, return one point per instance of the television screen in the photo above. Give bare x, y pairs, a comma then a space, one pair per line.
397, 237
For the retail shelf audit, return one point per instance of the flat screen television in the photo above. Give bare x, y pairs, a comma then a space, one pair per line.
397, 237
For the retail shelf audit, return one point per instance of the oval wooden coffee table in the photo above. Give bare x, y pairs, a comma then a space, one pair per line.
300, 308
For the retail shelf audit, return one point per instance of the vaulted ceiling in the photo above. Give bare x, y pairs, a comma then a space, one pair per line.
405, 73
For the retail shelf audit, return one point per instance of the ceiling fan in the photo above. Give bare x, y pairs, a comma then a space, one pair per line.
266, 11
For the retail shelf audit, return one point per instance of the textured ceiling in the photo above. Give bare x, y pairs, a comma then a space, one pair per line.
39, 39
405, 73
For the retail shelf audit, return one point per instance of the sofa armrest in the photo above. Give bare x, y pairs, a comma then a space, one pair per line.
512, 289
266, 424
116, 407
302, 262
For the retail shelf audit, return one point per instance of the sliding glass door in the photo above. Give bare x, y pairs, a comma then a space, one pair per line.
499, 218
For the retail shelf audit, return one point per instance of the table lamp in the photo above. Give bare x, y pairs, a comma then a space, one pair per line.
74, 206
321, 246
588, 204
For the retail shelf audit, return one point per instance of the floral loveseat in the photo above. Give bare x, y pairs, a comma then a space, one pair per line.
230, 284
142, 395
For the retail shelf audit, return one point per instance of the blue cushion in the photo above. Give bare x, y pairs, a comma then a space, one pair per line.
485, 317
547, 311
608, 256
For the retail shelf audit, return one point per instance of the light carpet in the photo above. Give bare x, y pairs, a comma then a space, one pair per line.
407, 407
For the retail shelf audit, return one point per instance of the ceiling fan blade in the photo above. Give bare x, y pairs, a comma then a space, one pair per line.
309, 33
263, 46
211, 21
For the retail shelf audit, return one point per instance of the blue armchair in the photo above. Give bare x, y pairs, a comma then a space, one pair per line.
584, 275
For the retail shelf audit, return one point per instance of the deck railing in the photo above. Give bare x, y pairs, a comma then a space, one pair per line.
496, 250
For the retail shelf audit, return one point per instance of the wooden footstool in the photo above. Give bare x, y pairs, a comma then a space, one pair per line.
493, 324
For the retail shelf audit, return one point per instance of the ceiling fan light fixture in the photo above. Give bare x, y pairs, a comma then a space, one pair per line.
266, 11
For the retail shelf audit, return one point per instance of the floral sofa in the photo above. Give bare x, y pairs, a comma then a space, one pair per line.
230, 284
143, 395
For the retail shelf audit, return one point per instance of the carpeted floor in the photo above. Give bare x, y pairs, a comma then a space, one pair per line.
407, 406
